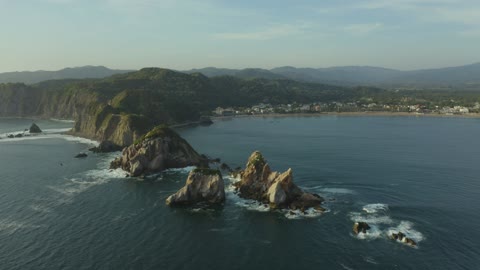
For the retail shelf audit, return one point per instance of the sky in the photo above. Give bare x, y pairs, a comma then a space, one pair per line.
185, 34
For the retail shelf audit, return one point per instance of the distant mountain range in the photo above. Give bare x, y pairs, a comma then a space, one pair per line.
465, 77
31, 77
462, 77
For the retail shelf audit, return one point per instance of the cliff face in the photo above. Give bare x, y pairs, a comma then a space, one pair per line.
119, 109
94, 118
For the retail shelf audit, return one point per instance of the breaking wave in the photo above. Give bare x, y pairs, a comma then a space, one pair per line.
381, 224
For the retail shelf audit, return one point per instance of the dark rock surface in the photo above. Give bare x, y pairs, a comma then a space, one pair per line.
401, 237
360, 227
35, 129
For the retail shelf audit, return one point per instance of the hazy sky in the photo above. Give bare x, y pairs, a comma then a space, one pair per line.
184, 34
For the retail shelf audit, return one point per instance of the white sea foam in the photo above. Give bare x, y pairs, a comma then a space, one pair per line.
56, 130
370, 219
40, 208
346, 267
62, 120
375, 208
11, 226
84, 181
373, 233
406, 227
376, 216
297, 214
79, 140
185, 169
336, 190
51, 134
369, 259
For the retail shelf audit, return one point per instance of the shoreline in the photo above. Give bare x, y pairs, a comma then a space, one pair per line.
356, 114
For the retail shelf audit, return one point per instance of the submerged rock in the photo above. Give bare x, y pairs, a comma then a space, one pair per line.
81, 155
258, 182
403, 238
360, 227
203, 185
106, 147
160, 149
35, 129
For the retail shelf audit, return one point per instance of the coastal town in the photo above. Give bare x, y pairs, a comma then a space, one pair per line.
350, 107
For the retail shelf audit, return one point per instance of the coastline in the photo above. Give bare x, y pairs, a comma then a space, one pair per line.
356, 114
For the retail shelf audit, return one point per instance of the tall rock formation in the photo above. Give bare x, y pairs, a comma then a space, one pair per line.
258, 182
203, 185
160, 149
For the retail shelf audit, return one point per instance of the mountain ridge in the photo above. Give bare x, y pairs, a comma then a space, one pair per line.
457, 76
82, 72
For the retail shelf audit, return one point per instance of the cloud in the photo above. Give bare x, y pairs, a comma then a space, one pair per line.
273, 32
362, 28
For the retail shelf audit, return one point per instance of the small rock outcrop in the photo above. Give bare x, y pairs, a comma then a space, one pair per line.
258, 182
81, 155
203, 185
35, 129
360, 227
403, 238
160, 149
106, 147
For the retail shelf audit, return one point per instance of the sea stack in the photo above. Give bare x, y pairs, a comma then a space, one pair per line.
203, 185
35, 129
258, 182
158, 150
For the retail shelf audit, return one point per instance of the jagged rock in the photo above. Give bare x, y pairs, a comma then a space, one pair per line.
258, 182
81, 155
35, 129
225, 167
11, 136
160, 149
19, 135
360, 227
203, 185
403, 238
106, 147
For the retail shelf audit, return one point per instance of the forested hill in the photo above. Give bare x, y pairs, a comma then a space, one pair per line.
453, 78
123, 106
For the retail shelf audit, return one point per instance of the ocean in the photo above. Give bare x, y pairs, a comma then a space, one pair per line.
418, 175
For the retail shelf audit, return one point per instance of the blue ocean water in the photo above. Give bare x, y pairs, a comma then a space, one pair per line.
419, 175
